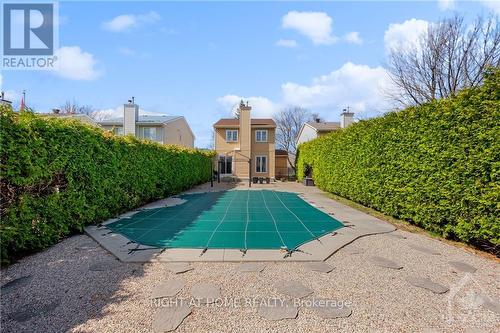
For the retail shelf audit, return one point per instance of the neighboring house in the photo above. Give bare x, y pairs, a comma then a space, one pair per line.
3, 101
245, 146
313, 129
163, 129
78, 116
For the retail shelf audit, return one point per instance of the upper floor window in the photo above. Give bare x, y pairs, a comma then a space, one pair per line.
231, 135
261, 135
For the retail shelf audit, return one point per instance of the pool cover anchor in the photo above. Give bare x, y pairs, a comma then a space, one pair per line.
243, 252
203, 251
290, 252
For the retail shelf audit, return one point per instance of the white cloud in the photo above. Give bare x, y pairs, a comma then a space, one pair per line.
317, 26
287, 43
13, 96
446, 4
127, 22
493, 5
359, 86
262, 107
353, 38
10, 95
406, 34
74, 64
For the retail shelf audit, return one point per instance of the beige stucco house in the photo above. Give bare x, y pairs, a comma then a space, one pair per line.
163, 129
245, 147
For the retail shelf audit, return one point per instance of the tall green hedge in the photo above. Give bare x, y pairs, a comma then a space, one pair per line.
58, 175
436, 165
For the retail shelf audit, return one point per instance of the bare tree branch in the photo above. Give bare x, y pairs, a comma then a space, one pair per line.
72, 107
450, 56
288, 124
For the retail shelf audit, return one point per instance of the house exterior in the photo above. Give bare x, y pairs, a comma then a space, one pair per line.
163, 129
245, 147
313, 129
78, 116
3, 101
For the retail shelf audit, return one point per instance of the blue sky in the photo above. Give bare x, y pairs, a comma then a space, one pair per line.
198, 59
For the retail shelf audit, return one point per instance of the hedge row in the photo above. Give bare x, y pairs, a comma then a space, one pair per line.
58, 175
436, 165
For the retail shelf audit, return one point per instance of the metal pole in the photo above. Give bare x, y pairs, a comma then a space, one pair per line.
212, 173
218, 170
250, 172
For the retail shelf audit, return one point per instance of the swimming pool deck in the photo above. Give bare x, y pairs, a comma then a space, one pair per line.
357, 224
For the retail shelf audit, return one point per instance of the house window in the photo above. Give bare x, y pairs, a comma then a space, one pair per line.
231, 135
226, 165
261, 135
118, 130
261, 164
148, 133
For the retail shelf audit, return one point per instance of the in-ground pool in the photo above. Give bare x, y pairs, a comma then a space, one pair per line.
238, 219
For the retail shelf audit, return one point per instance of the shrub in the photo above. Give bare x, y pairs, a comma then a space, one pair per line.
435, 165
59, 175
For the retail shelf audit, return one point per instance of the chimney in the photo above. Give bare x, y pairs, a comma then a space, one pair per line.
346, 118
245, 137
130, 117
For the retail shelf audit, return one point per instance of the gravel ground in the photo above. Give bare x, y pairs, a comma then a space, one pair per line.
118, 299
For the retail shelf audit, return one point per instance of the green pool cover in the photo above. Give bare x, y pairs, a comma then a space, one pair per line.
258, 219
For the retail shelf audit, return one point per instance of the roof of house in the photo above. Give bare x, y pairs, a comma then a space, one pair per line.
280, 152
324, 126
225, 122
80, 116
145, 119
